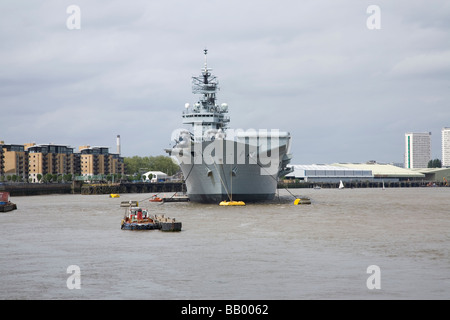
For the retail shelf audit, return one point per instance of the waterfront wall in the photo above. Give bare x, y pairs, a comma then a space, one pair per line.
133, 187
31, 189
361, 184
77, 187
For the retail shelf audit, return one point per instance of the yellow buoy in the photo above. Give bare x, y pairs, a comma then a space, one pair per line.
302, 201
232, 203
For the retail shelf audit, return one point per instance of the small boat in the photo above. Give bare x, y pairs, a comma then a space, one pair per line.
114, 195
5, 204
232, 203
168, 224
138, 219
155, 199
341, 185
130, 203
177, 198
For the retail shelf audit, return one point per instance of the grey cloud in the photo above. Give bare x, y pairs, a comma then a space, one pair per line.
346, 93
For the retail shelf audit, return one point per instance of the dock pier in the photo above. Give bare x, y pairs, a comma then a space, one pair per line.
76, 187
133, 187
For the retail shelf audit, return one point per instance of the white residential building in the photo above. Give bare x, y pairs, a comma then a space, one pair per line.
446, 147
417, 149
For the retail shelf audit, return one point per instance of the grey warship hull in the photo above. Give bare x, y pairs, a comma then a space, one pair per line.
240, 172
248, 186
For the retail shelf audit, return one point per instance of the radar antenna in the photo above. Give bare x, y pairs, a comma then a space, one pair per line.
205, 51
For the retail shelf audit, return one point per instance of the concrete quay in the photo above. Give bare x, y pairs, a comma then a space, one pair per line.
76, 187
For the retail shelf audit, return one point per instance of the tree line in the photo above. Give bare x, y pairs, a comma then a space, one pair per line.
436, 163
139, 165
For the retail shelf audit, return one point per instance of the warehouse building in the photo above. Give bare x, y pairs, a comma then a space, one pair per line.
385, 172
436, 174
327, 173
351, 172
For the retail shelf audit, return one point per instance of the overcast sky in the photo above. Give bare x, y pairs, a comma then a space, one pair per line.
345, 92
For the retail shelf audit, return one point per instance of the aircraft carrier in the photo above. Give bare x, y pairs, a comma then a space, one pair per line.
219, 163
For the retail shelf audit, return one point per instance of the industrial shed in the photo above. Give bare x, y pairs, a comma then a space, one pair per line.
386, 172
327, 173
436, 174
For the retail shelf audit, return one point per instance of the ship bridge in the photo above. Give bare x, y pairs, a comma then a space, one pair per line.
206, 115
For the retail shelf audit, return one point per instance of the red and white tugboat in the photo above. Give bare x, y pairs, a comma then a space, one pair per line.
137, 218
5, 204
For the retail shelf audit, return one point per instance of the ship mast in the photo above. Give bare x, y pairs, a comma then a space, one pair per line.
206, 116
205, 51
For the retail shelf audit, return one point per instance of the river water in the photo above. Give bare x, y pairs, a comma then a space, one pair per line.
261, 251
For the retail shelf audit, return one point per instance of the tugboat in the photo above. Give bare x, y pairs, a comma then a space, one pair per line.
5, 204
137, 218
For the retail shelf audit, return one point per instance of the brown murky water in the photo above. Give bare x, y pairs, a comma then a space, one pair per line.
260, 251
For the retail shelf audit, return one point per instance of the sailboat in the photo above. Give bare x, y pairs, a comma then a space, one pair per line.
341, 185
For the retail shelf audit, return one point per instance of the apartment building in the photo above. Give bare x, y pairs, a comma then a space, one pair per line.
417, 149
51, 159
116, 164
13, 161
2, 160
98, 160
30, 160
446, 147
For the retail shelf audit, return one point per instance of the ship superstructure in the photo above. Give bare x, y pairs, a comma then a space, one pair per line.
206, 116
223, 164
